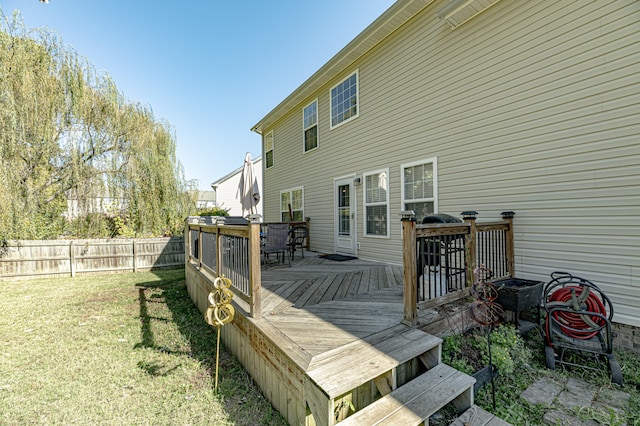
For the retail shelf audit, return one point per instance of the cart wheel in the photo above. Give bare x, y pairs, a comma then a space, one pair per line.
616, 371
550, 357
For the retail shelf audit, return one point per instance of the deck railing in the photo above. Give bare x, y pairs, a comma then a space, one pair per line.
439, 258
233, 251
218, 249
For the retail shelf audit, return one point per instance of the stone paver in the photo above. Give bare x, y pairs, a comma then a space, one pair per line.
544, 391
568, 396
615, 400
556, 417
577, 393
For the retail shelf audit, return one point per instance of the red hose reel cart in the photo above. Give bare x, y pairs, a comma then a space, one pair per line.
578, 318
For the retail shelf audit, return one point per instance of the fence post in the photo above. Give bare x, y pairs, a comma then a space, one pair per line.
72, 259
470, 245
133, 253
510, 254
255, 275
409, 272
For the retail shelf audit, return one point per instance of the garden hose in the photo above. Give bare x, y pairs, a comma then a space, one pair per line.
578, 299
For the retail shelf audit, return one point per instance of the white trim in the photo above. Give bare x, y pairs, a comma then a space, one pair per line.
357, 114
365, 205
354, 210
304, 129
273, 149
432, 160
290, 190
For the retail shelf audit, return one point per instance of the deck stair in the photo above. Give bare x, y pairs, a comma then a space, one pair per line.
331, 377
476, 416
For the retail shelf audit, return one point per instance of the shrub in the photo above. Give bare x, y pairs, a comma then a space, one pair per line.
216, 211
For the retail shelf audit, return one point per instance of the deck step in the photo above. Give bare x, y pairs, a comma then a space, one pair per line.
476, 416
414, 402
347, 367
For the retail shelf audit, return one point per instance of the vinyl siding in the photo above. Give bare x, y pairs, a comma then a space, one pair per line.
530, 106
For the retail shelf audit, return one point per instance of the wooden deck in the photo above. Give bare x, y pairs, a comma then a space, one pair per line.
331, 337
340, 302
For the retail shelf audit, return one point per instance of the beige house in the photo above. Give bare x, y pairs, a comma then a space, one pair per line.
438, 106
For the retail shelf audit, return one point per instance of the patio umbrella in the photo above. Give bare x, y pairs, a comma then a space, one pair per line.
248, 189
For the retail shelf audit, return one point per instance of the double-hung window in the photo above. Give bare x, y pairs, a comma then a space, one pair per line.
268, 150
344, 100
292, 205
419, 187
376, 203
310, 126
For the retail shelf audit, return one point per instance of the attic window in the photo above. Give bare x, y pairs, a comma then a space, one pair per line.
457, 12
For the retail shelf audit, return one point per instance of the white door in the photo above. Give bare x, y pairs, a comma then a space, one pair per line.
345, 230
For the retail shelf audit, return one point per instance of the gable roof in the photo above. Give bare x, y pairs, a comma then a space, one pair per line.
256, 161
387, 23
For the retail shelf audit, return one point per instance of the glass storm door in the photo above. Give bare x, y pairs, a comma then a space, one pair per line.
345, 237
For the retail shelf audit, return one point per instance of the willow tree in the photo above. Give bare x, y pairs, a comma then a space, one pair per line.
72, 147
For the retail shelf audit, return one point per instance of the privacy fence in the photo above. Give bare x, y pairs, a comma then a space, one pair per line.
56, 258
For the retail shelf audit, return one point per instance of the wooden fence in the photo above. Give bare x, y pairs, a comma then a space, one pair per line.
439, 259
56, 258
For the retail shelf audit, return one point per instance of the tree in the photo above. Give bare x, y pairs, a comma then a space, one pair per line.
69, 138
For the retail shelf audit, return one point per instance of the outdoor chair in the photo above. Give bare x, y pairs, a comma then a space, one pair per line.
297, 238
275, 242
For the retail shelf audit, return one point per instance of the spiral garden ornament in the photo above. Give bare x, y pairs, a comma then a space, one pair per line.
220, 311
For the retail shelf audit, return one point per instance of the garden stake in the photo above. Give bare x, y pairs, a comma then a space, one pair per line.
493, 386
485, 311
220, 312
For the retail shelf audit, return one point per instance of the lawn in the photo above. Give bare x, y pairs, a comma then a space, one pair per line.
133, 349
117, 349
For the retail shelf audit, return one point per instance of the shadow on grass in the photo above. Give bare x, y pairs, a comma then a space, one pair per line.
243, 401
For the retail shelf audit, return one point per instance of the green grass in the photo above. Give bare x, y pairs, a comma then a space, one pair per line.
117, 349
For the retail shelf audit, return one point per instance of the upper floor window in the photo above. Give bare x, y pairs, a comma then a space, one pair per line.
292, 205
419, 187
376, 203
268, 150
310, 126
344, 100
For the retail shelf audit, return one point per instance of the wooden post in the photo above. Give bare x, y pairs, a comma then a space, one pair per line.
133, 253
72, 260
255, 275
187, 244
510, 251
470, 245
409, 274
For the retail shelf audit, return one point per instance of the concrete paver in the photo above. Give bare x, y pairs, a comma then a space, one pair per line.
567, 396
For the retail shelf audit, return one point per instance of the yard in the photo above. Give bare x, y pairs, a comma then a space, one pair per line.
133, 349
116, 349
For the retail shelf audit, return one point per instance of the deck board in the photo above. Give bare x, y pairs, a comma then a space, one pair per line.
321, 304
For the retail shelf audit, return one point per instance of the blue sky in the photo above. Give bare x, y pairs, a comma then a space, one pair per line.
211, 68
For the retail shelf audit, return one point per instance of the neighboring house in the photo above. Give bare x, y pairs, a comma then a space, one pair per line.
226, 189
206, 200
106, 205
530, 106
